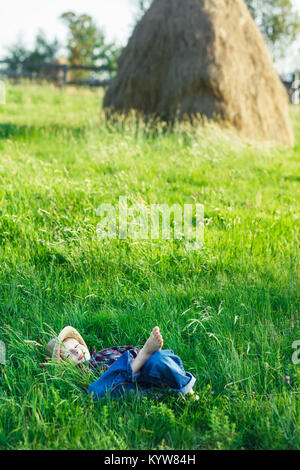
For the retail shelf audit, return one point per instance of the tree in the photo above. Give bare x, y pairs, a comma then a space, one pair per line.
277, 20
87, 44
43, 51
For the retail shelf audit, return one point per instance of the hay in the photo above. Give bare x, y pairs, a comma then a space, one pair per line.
187, 57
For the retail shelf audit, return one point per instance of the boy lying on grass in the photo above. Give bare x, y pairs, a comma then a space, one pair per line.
125, 367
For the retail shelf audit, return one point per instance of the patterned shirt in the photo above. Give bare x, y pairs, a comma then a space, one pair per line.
102, 360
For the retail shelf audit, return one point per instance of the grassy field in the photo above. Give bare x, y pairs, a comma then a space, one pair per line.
229, 310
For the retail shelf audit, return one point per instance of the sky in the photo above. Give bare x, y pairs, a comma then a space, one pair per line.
23, 18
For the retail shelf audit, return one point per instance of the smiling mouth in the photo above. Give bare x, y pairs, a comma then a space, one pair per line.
81, 357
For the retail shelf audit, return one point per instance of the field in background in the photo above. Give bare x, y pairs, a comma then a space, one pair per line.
230, 311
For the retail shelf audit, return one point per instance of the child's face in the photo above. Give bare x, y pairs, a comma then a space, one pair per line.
74, 351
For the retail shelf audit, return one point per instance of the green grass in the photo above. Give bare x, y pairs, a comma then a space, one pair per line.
59, 160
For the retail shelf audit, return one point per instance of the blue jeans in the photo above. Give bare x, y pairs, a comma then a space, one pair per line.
162, 370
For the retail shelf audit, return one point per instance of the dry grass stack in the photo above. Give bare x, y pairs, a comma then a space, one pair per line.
187, 57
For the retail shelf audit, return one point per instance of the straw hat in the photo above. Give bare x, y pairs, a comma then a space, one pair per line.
54, 346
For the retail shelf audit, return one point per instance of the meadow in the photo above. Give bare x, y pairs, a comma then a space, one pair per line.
230, 310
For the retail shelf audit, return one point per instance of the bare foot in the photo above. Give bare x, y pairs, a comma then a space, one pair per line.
154, 343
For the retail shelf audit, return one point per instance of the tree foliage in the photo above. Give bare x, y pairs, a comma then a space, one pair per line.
86, 43
278, 21
42, 51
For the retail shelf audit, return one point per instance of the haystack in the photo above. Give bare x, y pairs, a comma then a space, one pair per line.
187, 57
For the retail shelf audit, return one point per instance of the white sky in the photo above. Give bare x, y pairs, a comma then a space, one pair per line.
25, 17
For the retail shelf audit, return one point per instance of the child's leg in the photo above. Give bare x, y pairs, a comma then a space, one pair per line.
163, 368
154, 343
118, 373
